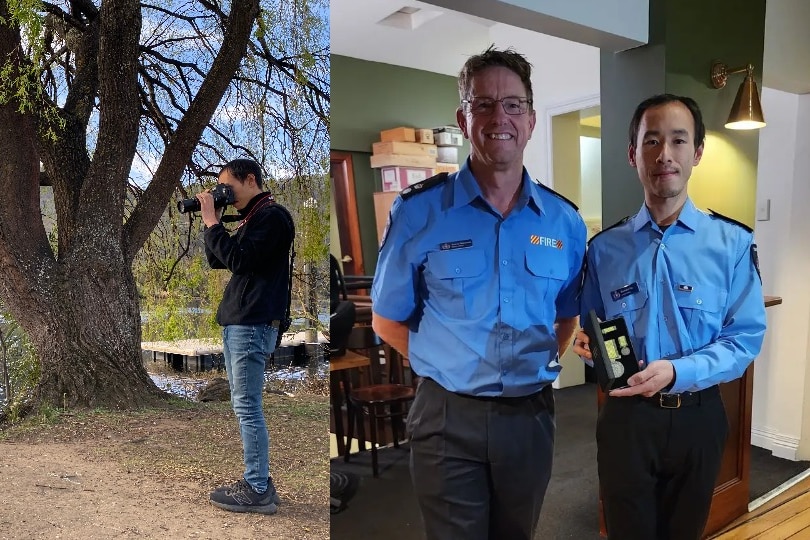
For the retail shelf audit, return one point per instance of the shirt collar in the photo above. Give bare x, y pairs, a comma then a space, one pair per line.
251, 203
466, 189
688, 217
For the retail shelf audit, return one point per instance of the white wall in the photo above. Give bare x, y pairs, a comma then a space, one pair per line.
780, 375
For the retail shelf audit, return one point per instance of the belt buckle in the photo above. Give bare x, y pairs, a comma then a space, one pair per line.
669, 401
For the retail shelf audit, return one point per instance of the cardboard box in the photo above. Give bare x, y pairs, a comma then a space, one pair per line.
447, 154
424, 136
447, 136
446, 167
398, 178
405, 148
382, 207
398, 134
402, 160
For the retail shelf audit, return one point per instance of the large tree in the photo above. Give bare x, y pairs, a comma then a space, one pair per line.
89, 88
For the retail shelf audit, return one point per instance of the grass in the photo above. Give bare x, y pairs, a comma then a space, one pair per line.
197, 442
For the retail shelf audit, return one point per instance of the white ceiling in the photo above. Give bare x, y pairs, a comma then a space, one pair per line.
441, 40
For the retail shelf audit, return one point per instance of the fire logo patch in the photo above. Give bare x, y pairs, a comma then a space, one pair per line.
546, 241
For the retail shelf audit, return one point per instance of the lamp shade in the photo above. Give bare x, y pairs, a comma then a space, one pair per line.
746, 113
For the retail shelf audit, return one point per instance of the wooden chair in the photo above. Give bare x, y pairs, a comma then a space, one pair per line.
385, 398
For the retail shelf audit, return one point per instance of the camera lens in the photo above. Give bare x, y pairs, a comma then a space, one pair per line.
188, 205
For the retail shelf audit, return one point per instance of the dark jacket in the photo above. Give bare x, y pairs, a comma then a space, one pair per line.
258, 256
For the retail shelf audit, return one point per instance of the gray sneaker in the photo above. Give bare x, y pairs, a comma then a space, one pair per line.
240, 497
276, 498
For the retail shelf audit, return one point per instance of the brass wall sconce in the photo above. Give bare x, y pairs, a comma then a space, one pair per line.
746, 113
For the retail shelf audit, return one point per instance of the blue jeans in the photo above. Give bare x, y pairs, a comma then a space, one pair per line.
246, 349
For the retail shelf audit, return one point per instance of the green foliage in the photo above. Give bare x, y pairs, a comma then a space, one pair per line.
179, 292
26, 15
18, 358
48, 414
22, 83
313, 223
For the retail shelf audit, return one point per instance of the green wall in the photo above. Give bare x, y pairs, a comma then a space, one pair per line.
368, 97
685, 37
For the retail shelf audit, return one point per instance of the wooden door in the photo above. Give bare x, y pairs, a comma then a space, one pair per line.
731, 493
342, 176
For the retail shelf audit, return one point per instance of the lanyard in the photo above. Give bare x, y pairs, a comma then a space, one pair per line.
258, 206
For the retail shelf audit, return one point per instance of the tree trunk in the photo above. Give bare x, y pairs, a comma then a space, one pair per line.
88, 340
79, 304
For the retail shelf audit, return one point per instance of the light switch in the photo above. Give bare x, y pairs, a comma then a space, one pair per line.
764, 210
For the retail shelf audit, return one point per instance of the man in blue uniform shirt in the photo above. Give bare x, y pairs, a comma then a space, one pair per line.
688, 286
477, 283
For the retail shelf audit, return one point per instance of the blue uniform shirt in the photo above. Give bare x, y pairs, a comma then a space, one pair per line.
480, 292
691, 295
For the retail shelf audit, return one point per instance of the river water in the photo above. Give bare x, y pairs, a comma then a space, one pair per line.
188, 385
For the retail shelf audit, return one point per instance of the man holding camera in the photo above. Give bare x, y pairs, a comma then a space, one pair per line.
254, 302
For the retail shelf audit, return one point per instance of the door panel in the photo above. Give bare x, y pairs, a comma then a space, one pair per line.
342, 175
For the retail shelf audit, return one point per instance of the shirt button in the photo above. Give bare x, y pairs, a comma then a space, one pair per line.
624, 304
505, 262
506, 300
666, 319
504, 337
699, 301
458, 270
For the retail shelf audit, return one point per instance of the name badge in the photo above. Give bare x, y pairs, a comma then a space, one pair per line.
456, 244
627, 290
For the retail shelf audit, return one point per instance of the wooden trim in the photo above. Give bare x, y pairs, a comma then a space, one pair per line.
772, 301
731, 499
342, 174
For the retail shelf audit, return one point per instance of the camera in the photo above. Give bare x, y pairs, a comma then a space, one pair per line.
223, 196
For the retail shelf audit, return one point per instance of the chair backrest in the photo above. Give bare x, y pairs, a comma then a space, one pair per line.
387, 364
396, 366
337, 284
363, 340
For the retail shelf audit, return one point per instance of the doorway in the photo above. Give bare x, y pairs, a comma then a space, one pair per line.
349, 251
575, 171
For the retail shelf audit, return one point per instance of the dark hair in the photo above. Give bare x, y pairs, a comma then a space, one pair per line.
241, 168
492, 57
663, 99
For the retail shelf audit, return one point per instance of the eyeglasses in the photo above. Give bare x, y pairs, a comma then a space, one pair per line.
486, 106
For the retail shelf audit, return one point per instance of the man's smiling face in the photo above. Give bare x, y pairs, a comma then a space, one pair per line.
497, 139
664, 152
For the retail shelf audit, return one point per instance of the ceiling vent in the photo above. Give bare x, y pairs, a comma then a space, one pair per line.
409, 17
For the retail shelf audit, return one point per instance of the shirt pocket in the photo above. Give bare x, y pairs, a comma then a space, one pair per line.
547, 274
632, 307
702, 308
452, 276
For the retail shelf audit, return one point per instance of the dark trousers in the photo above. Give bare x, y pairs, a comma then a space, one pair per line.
480, 467
658, 467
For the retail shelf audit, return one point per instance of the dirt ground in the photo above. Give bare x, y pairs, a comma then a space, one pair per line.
147, 474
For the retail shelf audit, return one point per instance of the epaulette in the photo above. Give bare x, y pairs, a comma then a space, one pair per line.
622, 221
426, 184
558, 195
734, 221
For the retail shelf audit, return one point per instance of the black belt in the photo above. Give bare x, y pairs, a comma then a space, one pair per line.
546, 390
506, 399
684, 399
